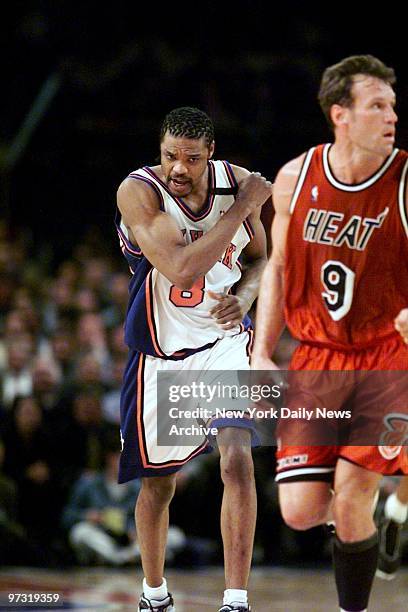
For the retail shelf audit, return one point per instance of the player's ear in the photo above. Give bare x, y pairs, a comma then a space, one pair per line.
339, 115
211, 150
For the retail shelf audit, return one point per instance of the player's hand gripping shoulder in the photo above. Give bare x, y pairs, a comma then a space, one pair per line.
253, 192
401, 324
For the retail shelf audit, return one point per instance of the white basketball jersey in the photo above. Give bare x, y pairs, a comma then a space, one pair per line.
180, 320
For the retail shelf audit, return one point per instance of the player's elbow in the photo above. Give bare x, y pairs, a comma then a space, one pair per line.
184, 273
183, 280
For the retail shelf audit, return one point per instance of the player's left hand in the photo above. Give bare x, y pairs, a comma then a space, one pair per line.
229, 311
401, 324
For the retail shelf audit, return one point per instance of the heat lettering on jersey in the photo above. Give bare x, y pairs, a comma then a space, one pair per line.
325, 227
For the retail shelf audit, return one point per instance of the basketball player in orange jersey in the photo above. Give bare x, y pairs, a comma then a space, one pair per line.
338, 276
182, 226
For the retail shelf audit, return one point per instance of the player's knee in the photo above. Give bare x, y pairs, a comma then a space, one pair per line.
236, 464
295, 519
348, 504
300, 517
160, 490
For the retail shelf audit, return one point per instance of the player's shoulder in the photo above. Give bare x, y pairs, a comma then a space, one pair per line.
137, 188
285, 182
140, 178
240, 173
291, 169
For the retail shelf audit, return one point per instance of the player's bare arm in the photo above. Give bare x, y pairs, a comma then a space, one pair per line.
401, 321
270, 320
161, 241
231, 309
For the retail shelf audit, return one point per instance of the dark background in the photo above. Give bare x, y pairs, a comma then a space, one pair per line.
253, 66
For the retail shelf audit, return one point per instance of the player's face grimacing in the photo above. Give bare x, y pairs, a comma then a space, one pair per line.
184, 163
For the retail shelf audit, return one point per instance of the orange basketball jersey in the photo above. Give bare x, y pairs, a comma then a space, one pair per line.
346, 275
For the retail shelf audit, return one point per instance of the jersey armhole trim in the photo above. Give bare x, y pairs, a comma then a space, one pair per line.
230, 174
403, 205
301, 179
152, 184
234, 184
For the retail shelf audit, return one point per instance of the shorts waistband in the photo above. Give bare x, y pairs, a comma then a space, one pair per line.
355, 348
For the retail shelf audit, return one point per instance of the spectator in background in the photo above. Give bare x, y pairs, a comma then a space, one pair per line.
86, 300
17, 378
96, 275
29, 453
114, 313
46, 382
63, 350
16, 548
13, 328
111, 399
7, 287
116, 340
88, 372
80, 433
24, 304
99, 514
92, 337
69, 271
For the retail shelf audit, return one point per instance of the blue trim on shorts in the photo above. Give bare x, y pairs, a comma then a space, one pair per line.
240, 423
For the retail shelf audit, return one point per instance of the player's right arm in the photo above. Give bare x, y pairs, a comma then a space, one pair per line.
161, 240
270, 319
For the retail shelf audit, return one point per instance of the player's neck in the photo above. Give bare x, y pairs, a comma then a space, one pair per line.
197, 199
353, 165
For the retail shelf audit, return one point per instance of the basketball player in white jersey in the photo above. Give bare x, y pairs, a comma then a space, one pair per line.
183, 226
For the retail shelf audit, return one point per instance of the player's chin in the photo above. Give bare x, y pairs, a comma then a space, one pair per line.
388, 147
180, 193
179, 190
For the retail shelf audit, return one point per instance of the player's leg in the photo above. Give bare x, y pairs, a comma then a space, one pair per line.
305, 477
305, 504
142, 458
234, 439
152, 522
238, 513
355, 549
391, 525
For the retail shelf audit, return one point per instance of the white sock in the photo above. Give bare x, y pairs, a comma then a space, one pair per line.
365, 610
159, 592
395, 510
235, 596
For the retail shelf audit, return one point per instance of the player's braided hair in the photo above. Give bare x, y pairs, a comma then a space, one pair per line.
188, 122
337, 80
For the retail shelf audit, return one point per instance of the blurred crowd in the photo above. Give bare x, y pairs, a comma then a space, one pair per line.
62, 356
61, 361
